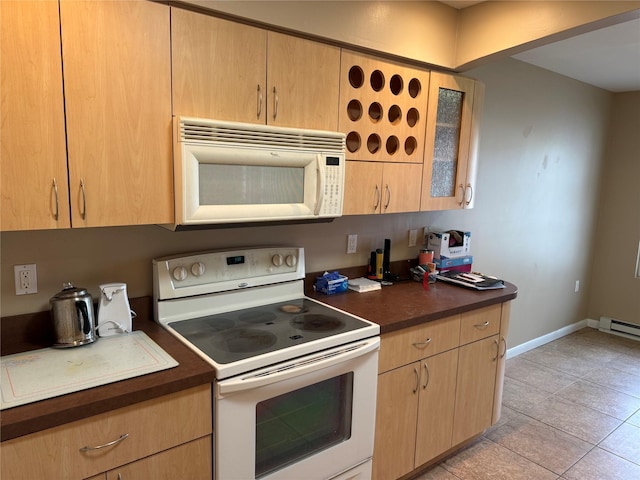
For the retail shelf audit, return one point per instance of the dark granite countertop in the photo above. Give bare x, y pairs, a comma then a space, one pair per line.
17, 421
407, 303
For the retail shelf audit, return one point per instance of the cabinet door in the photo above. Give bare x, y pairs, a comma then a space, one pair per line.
502, 362
402, 186
303, 83
218, 68
362, 188
32, 138
117, 74
396, 417
191, 460
435, 409
477, 363
447, 142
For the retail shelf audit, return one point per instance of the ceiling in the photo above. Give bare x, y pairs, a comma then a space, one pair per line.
608, 58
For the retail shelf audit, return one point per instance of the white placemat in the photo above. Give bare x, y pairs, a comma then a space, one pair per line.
40, 374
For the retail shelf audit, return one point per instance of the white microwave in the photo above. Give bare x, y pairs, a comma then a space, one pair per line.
230, 172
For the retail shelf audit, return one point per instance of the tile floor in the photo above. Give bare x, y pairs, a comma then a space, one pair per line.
571, 411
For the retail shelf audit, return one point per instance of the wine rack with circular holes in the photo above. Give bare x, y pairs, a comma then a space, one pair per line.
383, 107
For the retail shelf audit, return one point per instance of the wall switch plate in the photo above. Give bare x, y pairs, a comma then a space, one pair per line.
352, 243
577, 289
26, 279
413, 235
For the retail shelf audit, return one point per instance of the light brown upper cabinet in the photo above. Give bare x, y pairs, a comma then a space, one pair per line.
116, 58
35, 194
383, 113
229, 71
449, 157
117, 80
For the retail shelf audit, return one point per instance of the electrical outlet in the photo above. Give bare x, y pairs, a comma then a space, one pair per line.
413, 235
352, 243
577, 289
26, 279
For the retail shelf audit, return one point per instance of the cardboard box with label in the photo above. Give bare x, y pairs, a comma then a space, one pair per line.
449, 244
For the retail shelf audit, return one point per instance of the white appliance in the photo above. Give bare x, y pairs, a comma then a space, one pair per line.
114, 312
296, 380
231, 172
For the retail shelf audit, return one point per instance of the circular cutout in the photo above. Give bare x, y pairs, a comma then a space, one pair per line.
356, 76
414, 87
412, 117
354, 110
375, 112
395, 115
392, 144
353, 142
377, 80
373, 143
410, 145
396, 84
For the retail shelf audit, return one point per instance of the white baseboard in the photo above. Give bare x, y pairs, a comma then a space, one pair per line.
550, 337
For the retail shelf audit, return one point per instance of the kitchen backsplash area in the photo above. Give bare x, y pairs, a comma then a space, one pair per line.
94, 256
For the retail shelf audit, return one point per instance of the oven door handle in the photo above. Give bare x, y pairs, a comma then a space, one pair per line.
299, 366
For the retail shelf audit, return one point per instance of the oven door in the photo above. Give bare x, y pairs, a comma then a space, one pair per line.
310, 418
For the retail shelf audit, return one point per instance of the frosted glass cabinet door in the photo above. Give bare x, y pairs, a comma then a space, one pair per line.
446, 180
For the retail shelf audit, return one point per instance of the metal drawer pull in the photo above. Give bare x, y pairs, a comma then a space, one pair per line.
497, 351
417, 374
386, 205
83, 213
110, 444
482, 325
504, 342
275, 103
378, 198
461, 187
467, 202
55, 189
259, 101
428, 376
422, 344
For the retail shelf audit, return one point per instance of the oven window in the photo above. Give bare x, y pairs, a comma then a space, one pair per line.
300, 423
250, 184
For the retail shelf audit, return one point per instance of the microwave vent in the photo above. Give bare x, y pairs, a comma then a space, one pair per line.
220, 133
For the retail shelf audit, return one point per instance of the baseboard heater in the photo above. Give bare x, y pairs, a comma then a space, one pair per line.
618, 327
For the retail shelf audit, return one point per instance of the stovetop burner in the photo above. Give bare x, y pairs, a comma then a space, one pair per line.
232, 336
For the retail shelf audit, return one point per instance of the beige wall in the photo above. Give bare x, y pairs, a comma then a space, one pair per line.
615, 292
540, 159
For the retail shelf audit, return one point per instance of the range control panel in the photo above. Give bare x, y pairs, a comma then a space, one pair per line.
223, 270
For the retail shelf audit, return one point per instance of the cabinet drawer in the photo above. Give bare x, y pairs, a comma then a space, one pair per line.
480, 323
412, 344
152, 426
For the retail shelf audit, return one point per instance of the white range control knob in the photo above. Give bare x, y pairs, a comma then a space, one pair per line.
180, 273
198, 269
277, 260
291, 260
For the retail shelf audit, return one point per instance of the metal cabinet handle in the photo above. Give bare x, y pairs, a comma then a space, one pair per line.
422, 344
275, 103
110, 444
497, 351
482, 326
461, 202
417, 374
259, 101
427, 376
119, 476
467, 202
386, 205
83, 213
378, 198
55, 191
504, 342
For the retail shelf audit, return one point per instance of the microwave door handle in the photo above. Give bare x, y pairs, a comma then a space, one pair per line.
321, 181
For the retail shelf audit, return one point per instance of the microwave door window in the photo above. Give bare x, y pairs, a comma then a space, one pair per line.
250, 184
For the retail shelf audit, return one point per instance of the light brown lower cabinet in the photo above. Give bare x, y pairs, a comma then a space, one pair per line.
166, 434
428, 406
191, 460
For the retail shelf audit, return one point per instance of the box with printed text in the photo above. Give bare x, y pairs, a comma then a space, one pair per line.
449, 244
